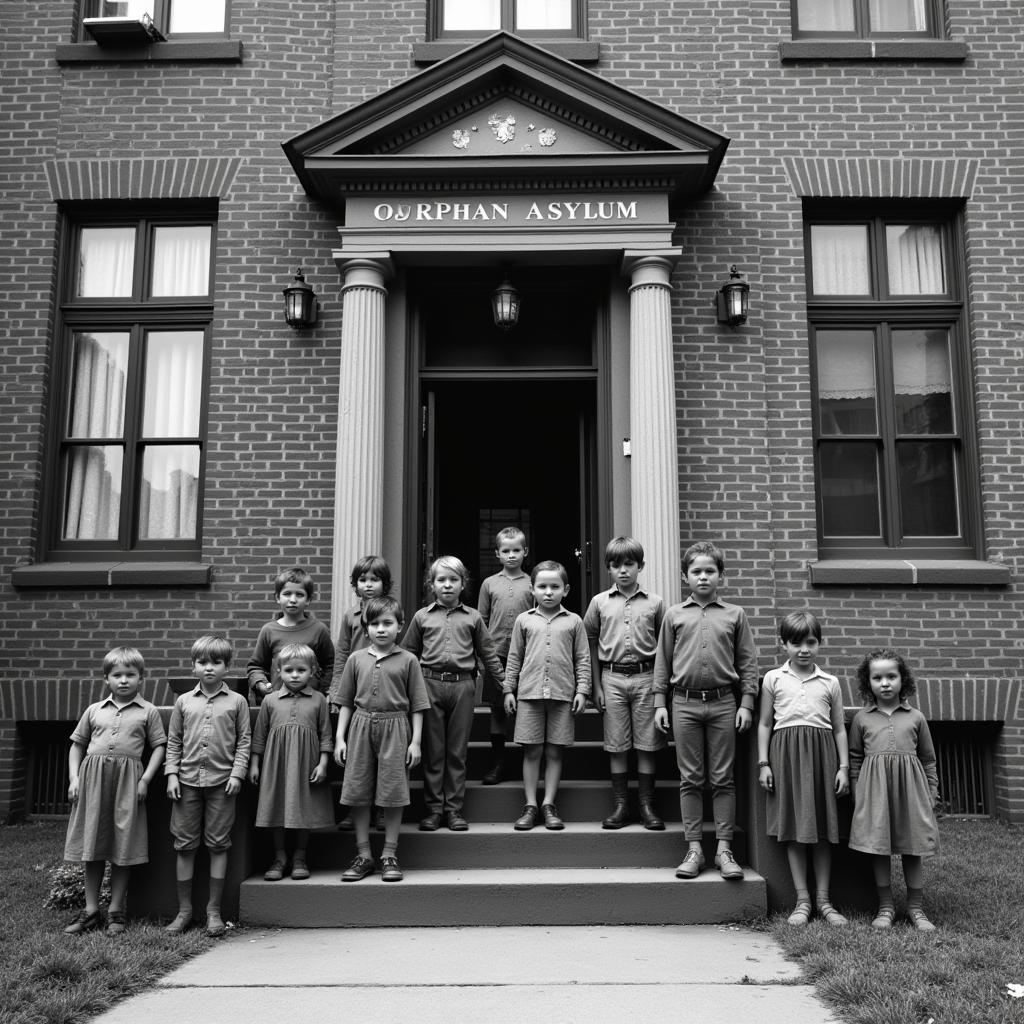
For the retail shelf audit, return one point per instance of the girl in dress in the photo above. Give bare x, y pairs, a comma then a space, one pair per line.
108, 787
291, 745
896, 785
803, 762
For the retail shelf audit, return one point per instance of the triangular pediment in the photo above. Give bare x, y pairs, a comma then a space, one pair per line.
505, 114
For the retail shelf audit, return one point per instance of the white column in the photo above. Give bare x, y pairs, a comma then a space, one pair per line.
358, 476
654, 461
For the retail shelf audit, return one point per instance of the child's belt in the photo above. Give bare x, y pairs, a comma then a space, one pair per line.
628, 668
703, 695
447, 677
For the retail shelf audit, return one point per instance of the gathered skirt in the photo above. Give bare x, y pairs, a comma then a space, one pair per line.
287, 798
802, 806
108, 821
893, 810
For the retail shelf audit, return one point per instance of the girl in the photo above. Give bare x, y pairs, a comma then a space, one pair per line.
807, 763
382, 698
448, 638
896, 785
293, 735
109, 785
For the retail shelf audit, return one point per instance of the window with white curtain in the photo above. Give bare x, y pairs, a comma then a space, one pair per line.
171, 17
864, 18
893, 446
536, 17
134, 339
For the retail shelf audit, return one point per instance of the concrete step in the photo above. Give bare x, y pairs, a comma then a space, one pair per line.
504, 896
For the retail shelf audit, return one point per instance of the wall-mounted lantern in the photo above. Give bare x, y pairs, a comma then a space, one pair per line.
505, 304
733, 300
300, 305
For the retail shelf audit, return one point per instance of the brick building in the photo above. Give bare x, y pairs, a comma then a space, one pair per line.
170, 442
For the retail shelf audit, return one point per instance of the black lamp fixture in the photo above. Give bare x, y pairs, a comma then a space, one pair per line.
733, 300
505, 305
300, 305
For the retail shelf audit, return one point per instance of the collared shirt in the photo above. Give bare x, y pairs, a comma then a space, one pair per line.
306, 708
814, 701
548, 659
451, 640
351, 638
274, 635
120, 730
704, 647
208, 737
502, 600
391, 683
905, 731
624, 628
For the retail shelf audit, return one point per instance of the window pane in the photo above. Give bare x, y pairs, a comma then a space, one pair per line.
92, 492
928, 488
839, 259
847, 394
197, 15
471, 15
923, 382
118, 8
181, 260
168, 500
849, 489
825, 15
106, 257
99, 365
898, 15
543, 14
174, 373
915, 259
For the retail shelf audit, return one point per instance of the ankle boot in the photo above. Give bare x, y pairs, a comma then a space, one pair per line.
620, 802
647, 813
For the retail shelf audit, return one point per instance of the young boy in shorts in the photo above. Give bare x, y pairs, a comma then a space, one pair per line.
622, 627
547, 681
706, 660
503, 597
208, 741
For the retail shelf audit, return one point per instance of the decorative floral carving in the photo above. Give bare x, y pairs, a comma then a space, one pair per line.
460, 139
504, 128
547, 137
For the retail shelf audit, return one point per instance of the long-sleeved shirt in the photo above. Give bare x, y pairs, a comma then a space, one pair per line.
274, 635
705, 647
502, 600
451, 639
905, 731
208, 737
351, 638
625, 629
548, 658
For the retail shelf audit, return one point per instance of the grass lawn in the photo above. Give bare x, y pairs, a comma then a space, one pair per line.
47, 977
974, 894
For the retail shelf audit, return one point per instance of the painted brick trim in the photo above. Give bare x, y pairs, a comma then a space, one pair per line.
874, 177
144, 178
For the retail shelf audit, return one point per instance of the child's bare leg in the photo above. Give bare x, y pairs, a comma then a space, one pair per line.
118, 886
796, 855
218, 871
552, 772
392, 826
361, 827
619, 762
821, 854
531, 770
184, 868
644, 762
93, 881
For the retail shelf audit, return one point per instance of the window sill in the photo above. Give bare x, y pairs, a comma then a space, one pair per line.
873, 50
577, 50
920, 573
104, 574
227, 51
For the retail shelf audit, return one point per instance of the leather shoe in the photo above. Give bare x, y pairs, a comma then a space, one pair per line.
300, 869
527, 819
493, 777
358, 869
275, 872
692, 864
551, 818
432, 822
389, 870
115, 922
456, 822
85, 923
726, 864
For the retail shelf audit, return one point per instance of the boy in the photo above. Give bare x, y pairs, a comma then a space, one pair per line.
622, 627
705, 655
549, 670
503, 597
208, 743
293, 590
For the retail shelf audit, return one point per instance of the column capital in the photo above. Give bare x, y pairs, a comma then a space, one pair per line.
365, 271
649, 268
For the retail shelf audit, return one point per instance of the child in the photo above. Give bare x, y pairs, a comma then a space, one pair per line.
293, 734
381, 692
895, 783
293, 590
108, 787
548, 682
208, 742
448, 638
706, 658
622, 627
503, 597
807, 764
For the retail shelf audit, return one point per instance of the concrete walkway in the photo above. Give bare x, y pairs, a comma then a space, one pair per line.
715, 974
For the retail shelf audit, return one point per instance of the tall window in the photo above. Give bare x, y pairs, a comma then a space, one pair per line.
171, 17
130, 382
891, 378
523, 17
859, 18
